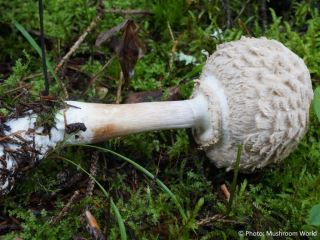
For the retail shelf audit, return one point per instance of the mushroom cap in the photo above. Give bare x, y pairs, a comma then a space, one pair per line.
259, 92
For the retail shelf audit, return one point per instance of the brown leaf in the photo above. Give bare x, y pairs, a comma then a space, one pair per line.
130, 50
92, 220
104, 36
93, 226
225, 191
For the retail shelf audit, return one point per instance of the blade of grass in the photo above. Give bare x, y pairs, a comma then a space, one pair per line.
122, 229
234, 180
195, 71
147, 173
36, 47
316, 102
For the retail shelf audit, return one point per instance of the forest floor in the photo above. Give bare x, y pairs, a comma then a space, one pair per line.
57, 200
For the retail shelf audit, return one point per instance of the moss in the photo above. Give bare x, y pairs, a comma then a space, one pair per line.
277, 198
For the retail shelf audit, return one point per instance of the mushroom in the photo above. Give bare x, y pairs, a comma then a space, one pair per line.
254, 92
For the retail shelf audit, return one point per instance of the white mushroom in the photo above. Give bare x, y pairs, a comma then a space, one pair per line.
254, 92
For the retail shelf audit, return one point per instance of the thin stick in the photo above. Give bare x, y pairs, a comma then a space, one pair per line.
174, 46
93, 172
97, 75
170, 31
242, 10
31, 76
17, 88
217, 218
12, 134
66, 208
127, 12
244, 27
118, 97
43, 52
79, 41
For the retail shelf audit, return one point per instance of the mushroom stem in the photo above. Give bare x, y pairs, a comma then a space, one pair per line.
25, 144
105, 121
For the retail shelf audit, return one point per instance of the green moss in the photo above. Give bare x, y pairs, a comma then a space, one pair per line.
277, 198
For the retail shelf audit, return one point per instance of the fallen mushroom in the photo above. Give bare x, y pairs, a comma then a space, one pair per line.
254, 92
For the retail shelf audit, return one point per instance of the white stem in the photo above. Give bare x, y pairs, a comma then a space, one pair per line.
104, 121
24, 144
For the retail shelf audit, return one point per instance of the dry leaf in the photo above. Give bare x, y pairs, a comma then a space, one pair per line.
104, 36
130, 50
91, 220
225, 191
93, 226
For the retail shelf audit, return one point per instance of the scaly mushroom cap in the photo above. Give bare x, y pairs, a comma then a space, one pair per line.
262, 92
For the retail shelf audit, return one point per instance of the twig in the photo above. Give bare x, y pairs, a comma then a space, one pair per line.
242, 10
97, 75
174, 47
208, 220
43, 52
79, 41
93, 172
93, 226
244, 27
17, 88
118, 97
15, 134
31, 76
23, 92
217, 218
127, 12
66, 208
76, 46
170, 31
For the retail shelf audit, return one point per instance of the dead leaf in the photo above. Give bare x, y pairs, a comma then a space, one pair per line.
225, 191
130, 50
92, 220
104, 36
93, 226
